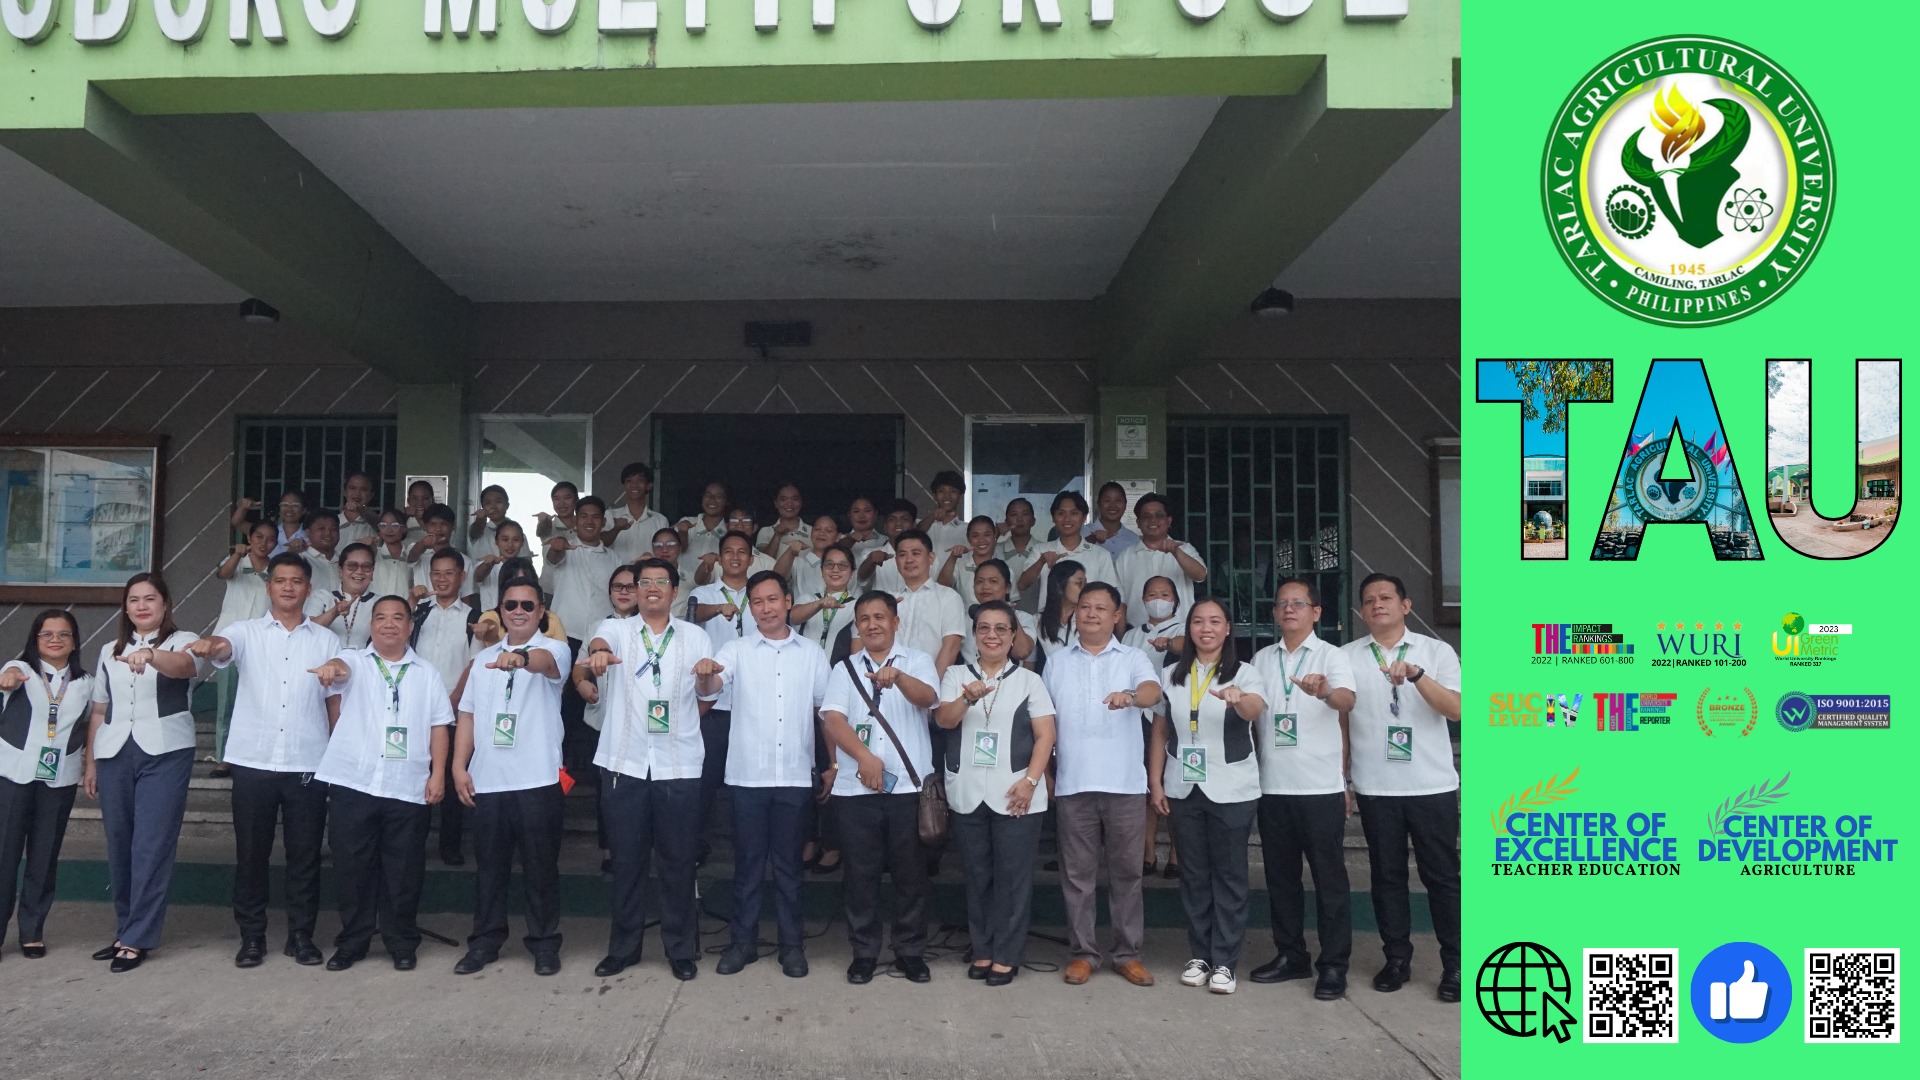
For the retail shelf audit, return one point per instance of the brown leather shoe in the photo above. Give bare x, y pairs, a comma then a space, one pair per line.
1135, 972
1078, 972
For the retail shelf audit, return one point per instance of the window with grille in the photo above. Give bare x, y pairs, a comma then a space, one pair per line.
314, 455
1543, 489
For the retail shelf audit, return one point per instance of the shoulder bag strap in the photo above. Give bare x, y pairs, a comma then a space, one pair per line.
873, 709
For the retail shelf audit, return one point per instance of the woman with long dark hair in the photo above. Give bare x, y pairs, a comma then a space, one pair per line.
1209, 784
42, 694
1056, 611
139, 758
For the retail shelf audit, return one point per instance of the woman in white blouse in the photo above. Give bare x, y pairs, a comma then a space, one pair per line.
1209, 784
1056, 612
996, 787
140, 743
42, 694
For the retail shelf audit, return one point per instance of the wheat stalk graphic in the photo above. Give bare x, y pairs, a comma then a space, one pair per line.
1548, 791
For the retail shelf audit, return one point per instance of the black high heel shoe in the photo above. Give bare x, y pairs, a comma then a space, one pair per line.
822, 867
106, 953
34, 952
127, 962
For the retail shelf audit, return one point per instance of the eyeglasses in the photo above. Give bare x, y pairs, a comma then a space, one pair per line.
358, 567
992, 631
667, 544
443, 573
519, 605
654, 583
1292, 605
738, 520
55, 635
393, 524
624, 586
1153, 517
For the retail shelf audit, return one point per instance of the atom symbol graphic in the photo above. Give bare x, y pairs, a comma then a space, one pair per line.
1749, 210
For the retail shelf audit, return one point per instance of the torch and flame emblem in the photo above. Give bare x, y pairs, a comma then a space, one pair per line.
1679, 123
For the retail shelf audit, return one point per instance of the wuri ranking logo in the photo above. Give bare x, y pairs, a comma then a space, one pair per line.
1688, 180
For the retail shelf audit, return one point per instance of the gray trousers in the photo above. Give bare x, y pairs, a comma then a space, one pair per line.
143, 798
1000, 852
1099, 828
1212, 837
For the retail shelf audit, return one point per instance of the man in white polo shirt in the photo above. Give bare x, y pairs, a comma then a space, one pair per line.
385, 766
1303, 791
933, 619
1155, 554
720, 608
579, 566
650, 754
1099, 686
506, 768
778, 679
443, 634
274, 747
1110, 509
633, 520
1402, 764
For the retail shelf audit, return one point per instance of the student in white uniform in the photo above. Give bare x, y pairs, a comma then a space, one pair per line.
650, 757
578, 567
323, 543
739, 520
1062, 605
990, 583
1408, 790
863, 532
509, 541
384, 768
1303, 786
932, 617
720, 609
777, 679
876, 570
443, 636
1001, 722
958, 563
43, 735
560, 524
440, 522
392, 549
506, 769
280, 731
943, 524
875, 713
787, 525
140, 741
623, 593
487, 520
825, 618
1208, 782
1099, 686
290, 532
348, 610
1108, 531
1018, 549
420, 496
1162, 637
800, 563
1156, 554
1069, 515
700, 533
357, 511
633, 520
245, 572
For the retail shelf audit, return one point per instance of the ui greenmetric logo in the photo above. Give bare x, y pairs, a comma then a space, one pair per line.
1688, 181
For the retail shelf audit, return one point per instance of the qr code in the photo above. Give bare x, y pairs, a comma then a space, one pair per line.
1853, 995
1630, 996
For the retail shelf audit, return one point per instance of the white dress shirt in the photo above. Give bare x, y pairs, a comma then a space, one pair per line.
908, 720
720, 629
1302, 755
356, 532
1092, 557
635, 542
579, 585
1383, 762
929, 615
995, 738
1226, 741
325, 573
777, 686
1122, 541
1017, 562
803, 575
52, 697
631, 739
383, 744
443, 640
1144, 632
154, 710
522, 750
245, 596
861, 548
482, 547
392, 574
947, 535
279, 709
354, 626
1100, 749
1140, 564
804, 534
700, 539
825, 625
965, 567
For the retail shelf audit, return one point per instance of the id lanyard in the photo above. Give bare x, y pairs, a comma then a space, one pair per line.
393, 682
739, 610
54, 700
1286, 684
1380, 658
655, 656
1197, 693
993, 688
827, 614
507, 705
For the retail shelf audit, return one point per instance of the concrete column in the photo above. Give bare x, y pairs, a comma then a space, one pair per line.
1118, 403
433, 437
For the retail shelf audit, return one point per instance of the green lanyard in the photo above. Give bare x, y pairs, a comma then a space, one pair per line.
393, 681
827, 614
1286, 682
739, 609
1380, 658
655, 656
507, 706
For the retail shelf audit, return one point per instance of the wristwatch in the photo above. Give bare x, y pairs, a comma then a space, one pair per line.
1031, 780
1418, 674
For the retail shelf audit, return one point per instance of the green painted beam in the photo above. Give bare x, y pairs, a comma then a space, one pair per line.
1268, 177
229, 193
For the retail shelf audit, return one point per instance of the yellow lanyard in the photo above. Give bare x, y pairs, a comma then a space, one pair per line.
54, 700
739, 608
1196, 693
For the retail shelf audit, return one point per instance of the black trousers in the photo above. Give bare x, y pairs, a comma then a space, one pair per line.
297, 804
1213, 874
453, 814
999, 852
380, 856
1309, 828
33, 822
645, 817
578, 743
716, 732
527, 821
768, 827
881, 833
1432, 824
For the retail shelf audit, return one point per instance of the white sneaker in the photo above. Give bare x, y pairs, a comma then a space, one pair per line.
1222, 981
1196, 973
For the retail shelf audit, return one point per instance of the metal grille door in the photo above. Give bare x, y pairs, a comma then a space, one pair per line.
1263, 500
315, 456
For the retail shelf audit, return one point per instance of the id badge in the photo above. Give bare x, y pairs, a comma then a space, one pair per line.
395, 747
656, 717
506, 726
1399, 744
865, 733
986, 748
48, 767
1193, 764
1286, 730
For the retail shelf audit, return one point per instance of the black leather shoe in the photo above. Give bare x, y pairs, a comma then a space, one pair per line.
1332, 986
341, 960
614, 965
860, 972
106, 953
1449, 985
472, 962
979, 971
300, 946
253, 953
1001, 978
684, 970
1392, 977
1282, 969
34, 952
735, 958
793, 964
127, 963
914, 968
546, 964
405, 961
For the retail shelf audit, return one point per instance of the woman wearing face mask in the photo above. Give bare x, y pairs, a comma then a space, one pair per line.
1161, 636
827, 621
1056, 614
509, 541
990, 581
1069, 517
43, 698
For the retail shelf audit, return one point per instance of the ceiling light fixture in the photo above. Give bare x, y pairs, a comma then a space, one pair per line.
1273, 303
258, 311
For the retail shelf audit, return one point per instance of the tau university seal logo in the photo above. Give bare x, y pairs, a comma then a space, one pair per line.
1688, 181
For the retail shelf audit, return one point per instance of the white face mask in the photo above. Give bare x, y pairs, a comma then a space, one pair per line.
1159, 609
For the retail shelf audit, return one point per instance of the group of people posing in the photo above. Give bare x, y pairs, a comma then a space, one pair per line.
871, 689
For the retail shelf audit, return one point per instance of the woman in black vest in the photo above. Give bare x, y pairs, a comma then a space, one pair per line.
42, 694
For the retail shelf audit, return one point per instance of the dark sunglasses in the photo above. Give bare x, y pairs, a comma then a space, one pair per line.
519, 605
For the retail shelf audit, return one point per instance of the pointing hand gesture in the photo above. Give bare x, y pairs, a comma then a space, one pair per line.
1313, 684
601, 661
11, 680
1231, 695
331, 673
508, 661
886, 677
707, 668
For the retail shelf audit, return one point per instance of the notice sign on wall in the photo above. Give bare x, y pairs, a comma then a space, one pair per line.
1130, 436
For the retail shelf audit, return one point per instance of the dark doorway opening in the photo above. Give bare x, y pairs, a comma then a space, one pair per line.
833, 458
